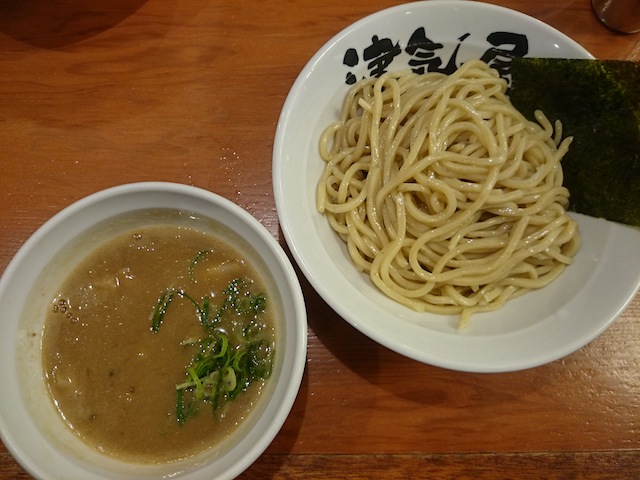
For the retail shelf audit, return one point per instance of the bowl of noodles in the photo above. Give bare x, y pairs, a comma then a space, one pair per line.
426, 210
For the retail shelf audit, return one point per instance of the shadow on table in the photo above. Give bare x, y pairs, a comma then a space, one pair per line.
55, 24
270, 464
351, 347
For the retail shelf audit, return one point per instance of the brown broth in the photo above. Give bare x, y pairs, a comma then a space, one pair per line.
112, 379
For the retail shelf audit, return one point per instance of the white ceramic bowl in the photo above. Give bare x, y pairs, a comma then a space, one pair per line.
529, 331
32, 429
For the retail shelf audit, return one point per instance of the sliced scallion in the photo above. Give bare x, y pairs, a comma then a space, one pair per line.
224, 365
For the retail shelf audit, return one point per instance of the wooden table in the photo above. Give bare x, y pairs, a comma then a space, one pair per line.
94, 94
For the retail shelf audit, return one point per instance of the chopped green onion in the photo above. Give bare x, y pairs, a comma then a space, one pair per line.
224, 344
197, 382
229, 379
236, 359
160, 310
182, 413
224, 365
201, 254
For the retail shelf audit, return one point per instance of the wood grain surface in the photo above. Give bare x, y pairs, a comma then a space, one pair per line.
95, 94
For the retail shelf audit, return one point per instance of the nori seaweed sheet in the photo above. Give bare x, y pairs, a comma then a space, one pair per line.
598, 103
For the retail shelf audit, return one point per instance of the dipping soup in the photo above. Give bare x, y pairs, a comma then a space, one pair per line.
158, 344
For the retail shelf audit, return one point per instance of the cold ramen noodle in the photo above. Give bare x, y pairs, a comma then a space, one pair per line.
444, 193
159, 343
